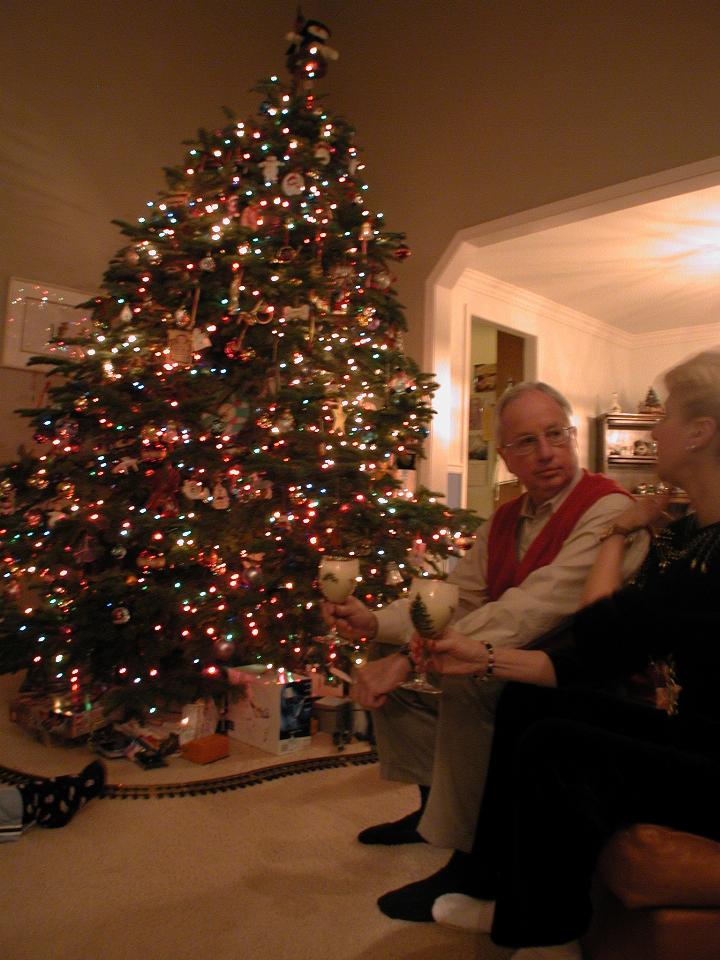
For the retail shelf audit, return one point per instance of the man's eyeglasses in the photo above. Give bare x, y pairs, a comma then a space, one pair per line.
555, 436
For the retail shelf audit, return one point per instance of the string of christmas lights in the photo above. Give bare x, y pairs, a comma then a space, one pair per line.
241, 407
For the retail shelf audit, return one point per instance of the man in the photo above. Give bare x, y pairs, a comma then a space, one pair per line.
521, 580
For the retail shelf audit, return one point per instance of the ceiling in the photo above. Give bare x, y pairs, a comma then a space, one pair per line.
655, 266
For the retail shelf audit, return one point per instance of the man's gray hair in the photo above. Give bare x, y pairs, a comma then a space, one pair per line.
512, 393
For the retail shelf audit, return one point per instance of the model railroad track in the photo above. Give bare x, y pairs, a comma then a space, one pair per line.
239, 781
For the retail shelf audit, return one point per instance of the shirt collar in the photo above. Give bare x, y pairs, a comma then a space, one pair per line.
528, 511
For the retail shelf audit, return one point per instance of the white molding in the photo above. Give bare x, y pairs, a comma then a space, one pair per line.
699, 333
518, 297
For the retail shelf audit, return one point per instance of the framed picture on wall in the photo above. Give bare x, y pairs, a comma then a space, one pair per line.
484, 377
36, 315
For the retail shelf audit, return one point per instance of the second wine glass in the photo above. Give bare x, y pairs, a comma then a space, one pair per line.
433, 603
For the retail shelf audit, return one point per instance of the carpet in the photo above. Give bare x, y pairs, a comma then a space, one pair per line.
268, 873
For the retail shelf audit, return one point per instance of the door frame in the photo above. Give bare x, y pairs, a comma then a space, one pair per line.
457, 289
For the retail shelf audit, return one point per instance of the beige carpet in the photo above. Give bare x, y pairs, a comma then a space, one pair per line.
271, 872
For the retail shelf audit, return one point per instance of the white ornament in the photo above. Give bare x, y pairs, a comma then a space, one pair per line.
297, 313
292, 184
270, 166
125, 465
200, 340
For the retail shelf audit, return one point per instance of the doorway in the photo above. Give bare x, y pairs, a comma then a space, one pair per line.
497, 362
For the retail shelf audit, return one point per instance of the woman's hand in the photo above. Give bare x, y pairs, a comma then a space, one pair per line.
452, 654
351, 618
644, 512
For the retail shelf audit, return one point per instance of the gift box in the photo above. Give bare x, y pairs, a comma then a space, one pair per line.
55, 717
206, 749
276, 711
199, 719
324, 684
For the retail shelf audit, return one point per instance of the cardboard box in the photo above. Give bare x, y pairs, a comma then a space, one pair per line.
206, 749
55, 718
275, 714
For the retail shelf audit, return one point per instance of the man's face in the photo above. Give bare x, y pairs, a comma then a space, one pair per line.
548, 469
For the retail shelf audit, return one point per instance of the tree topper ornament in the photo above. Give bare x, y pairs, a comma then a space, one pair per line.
308, 52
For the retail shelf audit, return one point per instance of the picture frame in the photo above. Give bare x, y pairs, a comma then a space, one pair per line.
484, 377
35, 314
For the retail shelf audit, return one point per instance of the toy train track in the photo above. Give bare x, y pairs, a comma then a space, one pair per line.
239, 781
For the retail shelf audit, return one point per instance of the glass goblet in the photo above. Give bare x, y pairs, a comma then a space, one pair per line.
432, 605
337, 578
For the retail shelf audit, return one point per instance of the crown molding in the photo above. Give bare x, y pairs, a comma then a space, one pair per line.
474, 281
521, 299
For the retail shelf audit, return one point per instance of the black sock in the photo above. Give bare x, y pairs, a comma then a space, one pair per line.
415, 900
29, 796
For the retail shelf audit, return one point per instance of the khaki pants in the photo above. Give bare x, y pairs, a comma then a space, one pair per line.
442, 741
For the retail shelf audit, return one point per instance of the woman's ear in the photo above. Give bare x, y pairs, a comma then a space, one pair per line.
702, 431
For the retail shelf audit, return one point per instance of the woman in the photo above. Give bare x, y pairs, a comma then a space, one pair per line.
570, 766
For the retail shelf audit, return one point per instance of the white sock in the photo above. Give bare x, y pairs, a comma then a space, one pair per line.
464, 913
563, 951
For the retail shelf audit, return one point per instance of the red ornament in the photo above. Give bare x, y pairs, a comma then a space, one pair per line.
402, 252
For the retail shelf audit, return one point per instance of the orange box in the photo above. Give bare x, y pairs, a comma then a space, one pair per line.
206, 749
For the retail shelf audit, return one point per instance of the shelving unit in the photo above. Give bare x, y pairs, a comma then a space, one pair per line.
626, 451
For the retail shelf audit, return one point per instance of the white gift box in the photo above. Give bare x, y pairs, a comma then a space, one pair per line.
199, 719
275, 714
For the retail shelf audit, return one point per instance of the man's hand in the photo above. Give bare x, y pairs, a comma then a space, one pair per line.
454, 654
378, 678
352, 619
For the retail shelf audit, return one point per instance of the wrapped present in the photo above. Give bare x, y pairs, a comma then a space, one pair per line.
56, 717
199, 719
275, 714
206, 749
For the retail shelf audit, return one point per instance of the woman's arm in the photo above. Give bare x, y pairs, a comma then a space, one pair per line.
606, 575
455, 654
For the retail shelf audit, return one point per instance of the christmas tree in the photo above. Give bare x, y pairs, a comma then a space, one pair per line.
240, 408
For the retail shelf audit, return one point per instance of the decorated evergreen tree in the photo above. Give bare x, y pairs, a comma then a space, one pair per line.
240, 408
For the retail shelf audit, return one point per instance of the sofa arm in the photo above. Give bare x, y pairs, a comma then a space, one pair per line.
649, 866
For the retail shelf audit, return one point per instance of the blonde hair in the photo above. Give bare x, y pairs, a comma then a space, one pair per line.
696, 385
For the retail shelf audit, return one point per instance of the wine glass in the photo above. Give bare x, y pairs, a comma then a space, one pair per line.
337, 577
432, 605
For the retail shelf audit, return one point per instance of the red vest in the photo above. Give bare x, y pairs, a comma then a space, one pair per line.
504, 568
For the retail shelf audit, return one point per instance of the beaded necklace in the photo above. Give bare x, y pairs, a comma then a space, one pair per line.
682, 541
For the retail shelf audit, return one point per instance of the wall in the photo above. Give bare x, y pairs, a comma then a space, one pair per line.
651, 355
465, 112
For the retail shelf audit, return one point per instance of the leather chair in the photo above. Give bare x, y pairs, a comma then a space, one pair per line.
658, 897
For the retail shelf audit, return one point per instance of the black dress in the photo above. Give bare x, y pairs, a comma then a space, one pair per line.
570, 766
